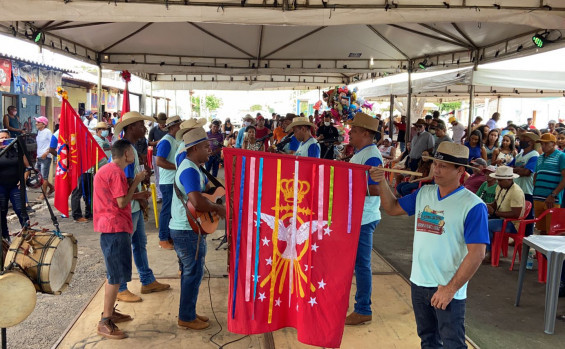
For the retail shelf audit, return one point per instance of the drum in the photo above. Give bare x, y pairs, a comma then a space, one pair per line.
48, 260
17, 298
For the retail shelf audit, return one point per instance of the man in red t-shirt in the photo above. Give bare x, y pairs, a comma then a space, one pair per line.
261, 131
112, 218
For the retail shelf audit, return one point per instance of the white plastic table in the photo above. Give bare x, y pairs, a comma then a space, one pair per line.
553, 247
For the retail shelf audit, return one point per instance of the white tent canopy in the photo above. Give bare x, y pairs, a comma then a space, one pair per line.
258, 44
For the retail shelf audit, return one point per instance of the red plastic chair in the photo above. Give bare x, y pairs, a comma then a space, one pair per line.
502, 236
556, 227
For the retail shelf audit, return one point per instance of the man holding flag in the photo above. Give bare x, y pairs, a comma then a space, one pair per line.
361, 136
132, 123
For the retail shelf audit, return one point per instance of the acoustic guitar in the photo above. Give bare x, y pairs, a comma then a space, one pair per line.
206, 222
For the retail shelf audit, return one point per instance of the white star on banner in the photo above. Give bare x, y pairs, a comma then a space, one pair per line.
266, 241
257, 278
327, 231
322, 284
262, 296
315, 247
278, 302
305, 267
312, 301
269, 261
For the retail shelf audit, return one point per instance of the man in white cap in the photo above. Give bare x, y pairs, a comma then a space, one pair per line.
451, 234
363, 131
132, 124
509, 203
302, 128
43, 163
165, 160
190, 182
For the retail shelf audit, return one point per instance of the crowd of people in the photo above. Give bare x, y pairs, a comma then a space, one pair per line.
500, 168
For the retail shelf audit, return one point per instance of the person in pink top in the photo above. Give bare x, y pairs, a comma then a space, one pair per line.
474, 182
112, 218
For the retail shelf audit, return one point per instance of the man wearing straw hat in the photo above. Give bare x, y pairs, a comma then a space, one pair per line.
132, 124
361, 136
84, 187
190, 182
185, 126
508, 203
165, 160
302, 128
247, 121
451, 234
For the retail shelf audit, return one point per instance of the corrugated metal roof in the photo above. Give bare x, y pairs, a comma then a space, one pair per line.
39, 64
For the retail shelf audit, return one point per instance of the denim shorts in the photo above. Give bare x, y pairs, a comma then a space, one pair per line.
43, 166
116, 248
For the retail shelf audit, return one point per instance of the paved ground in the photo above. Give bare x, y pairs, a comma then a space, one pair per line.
492, 320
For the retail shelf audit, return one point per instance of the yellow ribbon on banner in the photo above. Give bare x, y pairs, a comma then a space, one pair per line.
97, 159
275, 240
331, 199
154, 198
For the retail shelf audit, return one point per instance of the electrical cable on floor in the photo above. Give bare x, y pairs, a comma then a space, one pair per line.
215, 317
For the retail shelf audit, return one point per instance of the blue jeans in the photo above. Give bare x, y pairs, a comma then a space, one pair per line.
139, 249
185, 242
12, 194
438, 328
43, 166
363, 272
402, 146
165, 216
213, 163
495, 225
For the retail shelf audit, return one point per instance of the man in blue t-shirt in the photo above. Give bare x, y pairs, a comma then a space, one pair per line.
190, 246
451, 234
302, 129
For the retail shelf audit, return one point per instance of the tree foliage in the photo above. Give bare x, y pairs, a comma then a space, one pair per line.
256, 107
212, 103
449, 106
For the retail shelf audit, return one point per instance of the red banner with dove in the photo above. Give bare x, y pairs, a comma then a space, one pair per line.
293, 226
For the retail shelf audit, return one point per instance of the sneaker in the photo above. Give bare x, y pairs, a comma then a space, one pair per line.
166, 245
81, 220
155, 286
30, 210
118, 317
354, 319
128, 297
107, 328
195, 324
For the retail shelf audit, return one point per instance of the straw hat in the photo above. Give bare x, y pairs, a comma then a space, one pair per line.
421, 122
365, 121
547, 137
248, 117
451, 153
188, 125
534, 137
173, 120
129, 118
299, 121
102, 125
161, 118
504, 172
194, 136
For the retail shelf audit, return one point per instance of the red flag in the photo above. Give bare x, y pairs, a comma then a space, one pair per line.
292, 274
125, 101
77, 151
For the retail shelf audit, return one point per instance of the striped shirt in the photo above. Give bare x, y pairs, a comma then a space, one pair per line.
548, 175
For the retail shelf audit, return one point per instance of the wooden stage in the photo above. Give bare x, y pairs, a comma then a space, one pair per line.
155, 319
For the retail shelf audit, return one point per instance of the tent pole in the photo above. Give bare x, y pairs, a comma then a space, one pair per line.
390, 118
151, 92
99, 92
409, 102
472, 95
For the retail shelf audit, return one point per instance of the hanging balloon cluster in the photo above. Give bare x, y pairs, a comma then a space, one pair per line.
344, 103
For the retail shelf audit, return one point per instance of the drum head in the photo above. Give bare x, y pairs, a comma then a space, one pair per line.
17, 298
62, 264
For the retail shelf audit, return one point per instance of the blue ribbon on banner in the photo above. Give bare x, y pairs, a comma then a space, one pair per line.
259, 195
238, 243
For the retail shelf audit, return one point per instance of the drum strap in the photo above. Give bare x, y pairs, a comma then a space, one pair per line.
189, 216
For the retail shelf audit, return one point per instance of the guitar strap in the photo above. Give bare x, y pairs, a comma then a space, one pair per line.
189, 216
211, 178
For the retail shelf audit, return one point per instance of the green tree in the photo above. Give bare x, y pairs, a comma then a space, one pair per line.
256, 107
449, 106
212, 103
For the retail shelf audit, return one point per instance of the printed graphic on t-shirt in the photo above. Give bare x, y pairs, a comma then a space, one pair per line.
430, 221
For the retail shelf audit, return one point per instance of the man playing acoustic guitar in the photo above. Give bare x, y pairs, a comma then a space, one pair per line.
190, 246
